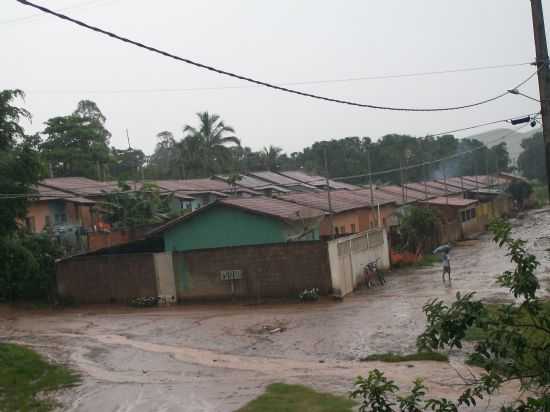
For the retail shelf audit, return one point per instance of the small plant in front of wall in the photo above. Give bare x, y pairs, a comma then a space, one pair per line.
309, 295
144, 302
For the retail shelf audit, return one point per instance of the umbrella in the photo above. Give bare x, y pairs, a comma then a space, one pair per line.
442, 249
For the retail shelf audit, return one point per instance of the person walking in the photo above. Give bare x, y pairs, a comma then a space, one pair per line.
446, 266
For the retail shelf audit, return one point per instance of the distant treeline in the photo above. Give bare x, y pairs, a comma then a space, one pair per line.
78, 144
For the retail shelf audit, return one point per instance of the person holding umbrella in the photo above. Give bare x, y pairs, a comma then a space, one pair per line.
446, 261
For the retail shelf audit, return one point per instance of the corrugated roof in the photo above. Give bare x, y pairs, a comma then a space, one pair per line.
203, 185
47, 193
317, 181
341, 200
441, 185
275, 178
450, 201
301, 176
79, 185
410, 195
273, 207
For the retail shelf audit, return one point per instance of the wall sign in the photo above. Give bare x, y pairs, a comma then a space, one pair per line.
231, 274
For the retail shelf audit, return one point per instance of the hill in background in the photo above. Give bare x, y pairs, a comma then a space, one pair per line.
513, 140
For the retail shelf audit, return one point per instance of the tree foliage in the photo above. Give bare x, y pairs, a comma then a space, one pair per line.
77, 144
531, 160
26, 261
514, 344
126, 208
417, 225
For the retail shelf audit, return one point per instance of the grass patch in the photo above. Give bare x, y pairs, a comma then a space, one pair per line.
396, 357
280, 397
25, 377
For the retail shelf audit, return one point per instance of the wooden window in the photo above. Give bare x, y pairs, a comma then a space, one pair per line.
353, 228
342, 229
336, 230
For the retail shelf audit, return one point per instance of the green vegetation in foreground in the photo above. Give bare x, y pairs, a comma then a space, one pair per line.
280, 397
531, 334
25, 376
418, 356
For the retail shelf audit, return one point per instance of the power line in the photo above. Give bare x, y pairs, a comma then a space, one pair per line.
480, 125
258, 82
294, 83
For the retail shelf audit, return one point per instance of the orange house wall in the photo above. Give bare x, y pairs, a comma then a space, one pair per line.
363, 219
38, 210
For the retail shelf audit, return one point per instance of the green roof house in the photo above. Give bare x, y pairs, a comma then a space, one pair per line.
241, 221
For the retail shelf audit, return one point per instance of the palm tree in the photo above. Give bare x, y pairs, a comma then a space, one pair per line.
270, 157
212, 136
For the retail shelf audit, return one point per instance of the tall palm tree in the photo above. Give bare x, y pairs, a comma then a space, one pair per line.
212, 134
271, 157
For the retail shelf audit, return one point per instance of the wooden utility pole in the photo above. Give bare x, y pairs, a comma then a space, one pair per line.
544, 78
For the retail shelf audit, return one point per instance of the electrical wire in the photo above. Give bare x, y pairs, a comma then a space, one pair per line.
303, 82
263, 83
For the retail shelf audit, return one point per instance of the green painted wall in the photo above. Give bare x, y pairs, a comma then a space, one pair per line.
224, 226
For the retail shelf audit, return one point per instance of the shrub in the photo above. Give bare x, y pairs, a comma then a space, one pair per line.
27, 267
309, 295
144, 302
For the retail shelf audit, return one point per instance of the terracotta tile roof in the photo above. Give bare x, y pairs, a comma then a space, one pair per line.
450, 201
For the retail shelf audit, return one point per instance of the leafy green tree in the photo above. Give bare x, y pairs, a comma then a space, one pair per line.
77, 144
531, 161
126, 208
417, 226
520, 191
126, 164
19, 162
513, 343
26, 261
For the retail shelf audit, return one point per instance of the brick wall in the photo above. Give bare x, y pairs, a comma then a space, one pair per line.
107, 278
277, 270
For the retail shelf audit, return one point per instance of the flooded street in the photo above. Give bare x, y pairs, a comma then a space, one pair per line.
218, 357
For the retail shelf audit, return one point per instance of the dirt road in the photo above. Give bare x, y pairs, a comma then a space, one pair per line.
218, 357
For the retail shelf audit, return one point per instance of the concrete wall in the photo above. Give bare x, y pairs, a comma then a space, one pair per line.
107, 278
277, 270
349, 255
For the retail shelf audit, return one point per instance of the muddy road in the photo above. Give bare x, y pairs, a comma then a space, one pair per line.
218, 357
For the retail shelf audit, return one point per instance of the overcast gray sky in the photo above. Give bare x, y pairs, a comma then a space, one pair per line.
57, 64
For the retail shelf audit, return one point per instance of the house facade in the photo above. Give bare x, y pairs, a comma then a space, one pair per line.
240, 222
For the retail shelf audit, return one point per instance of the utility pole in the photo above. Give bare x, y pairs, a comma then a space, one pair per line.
544, 78
330, 217
370, 186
